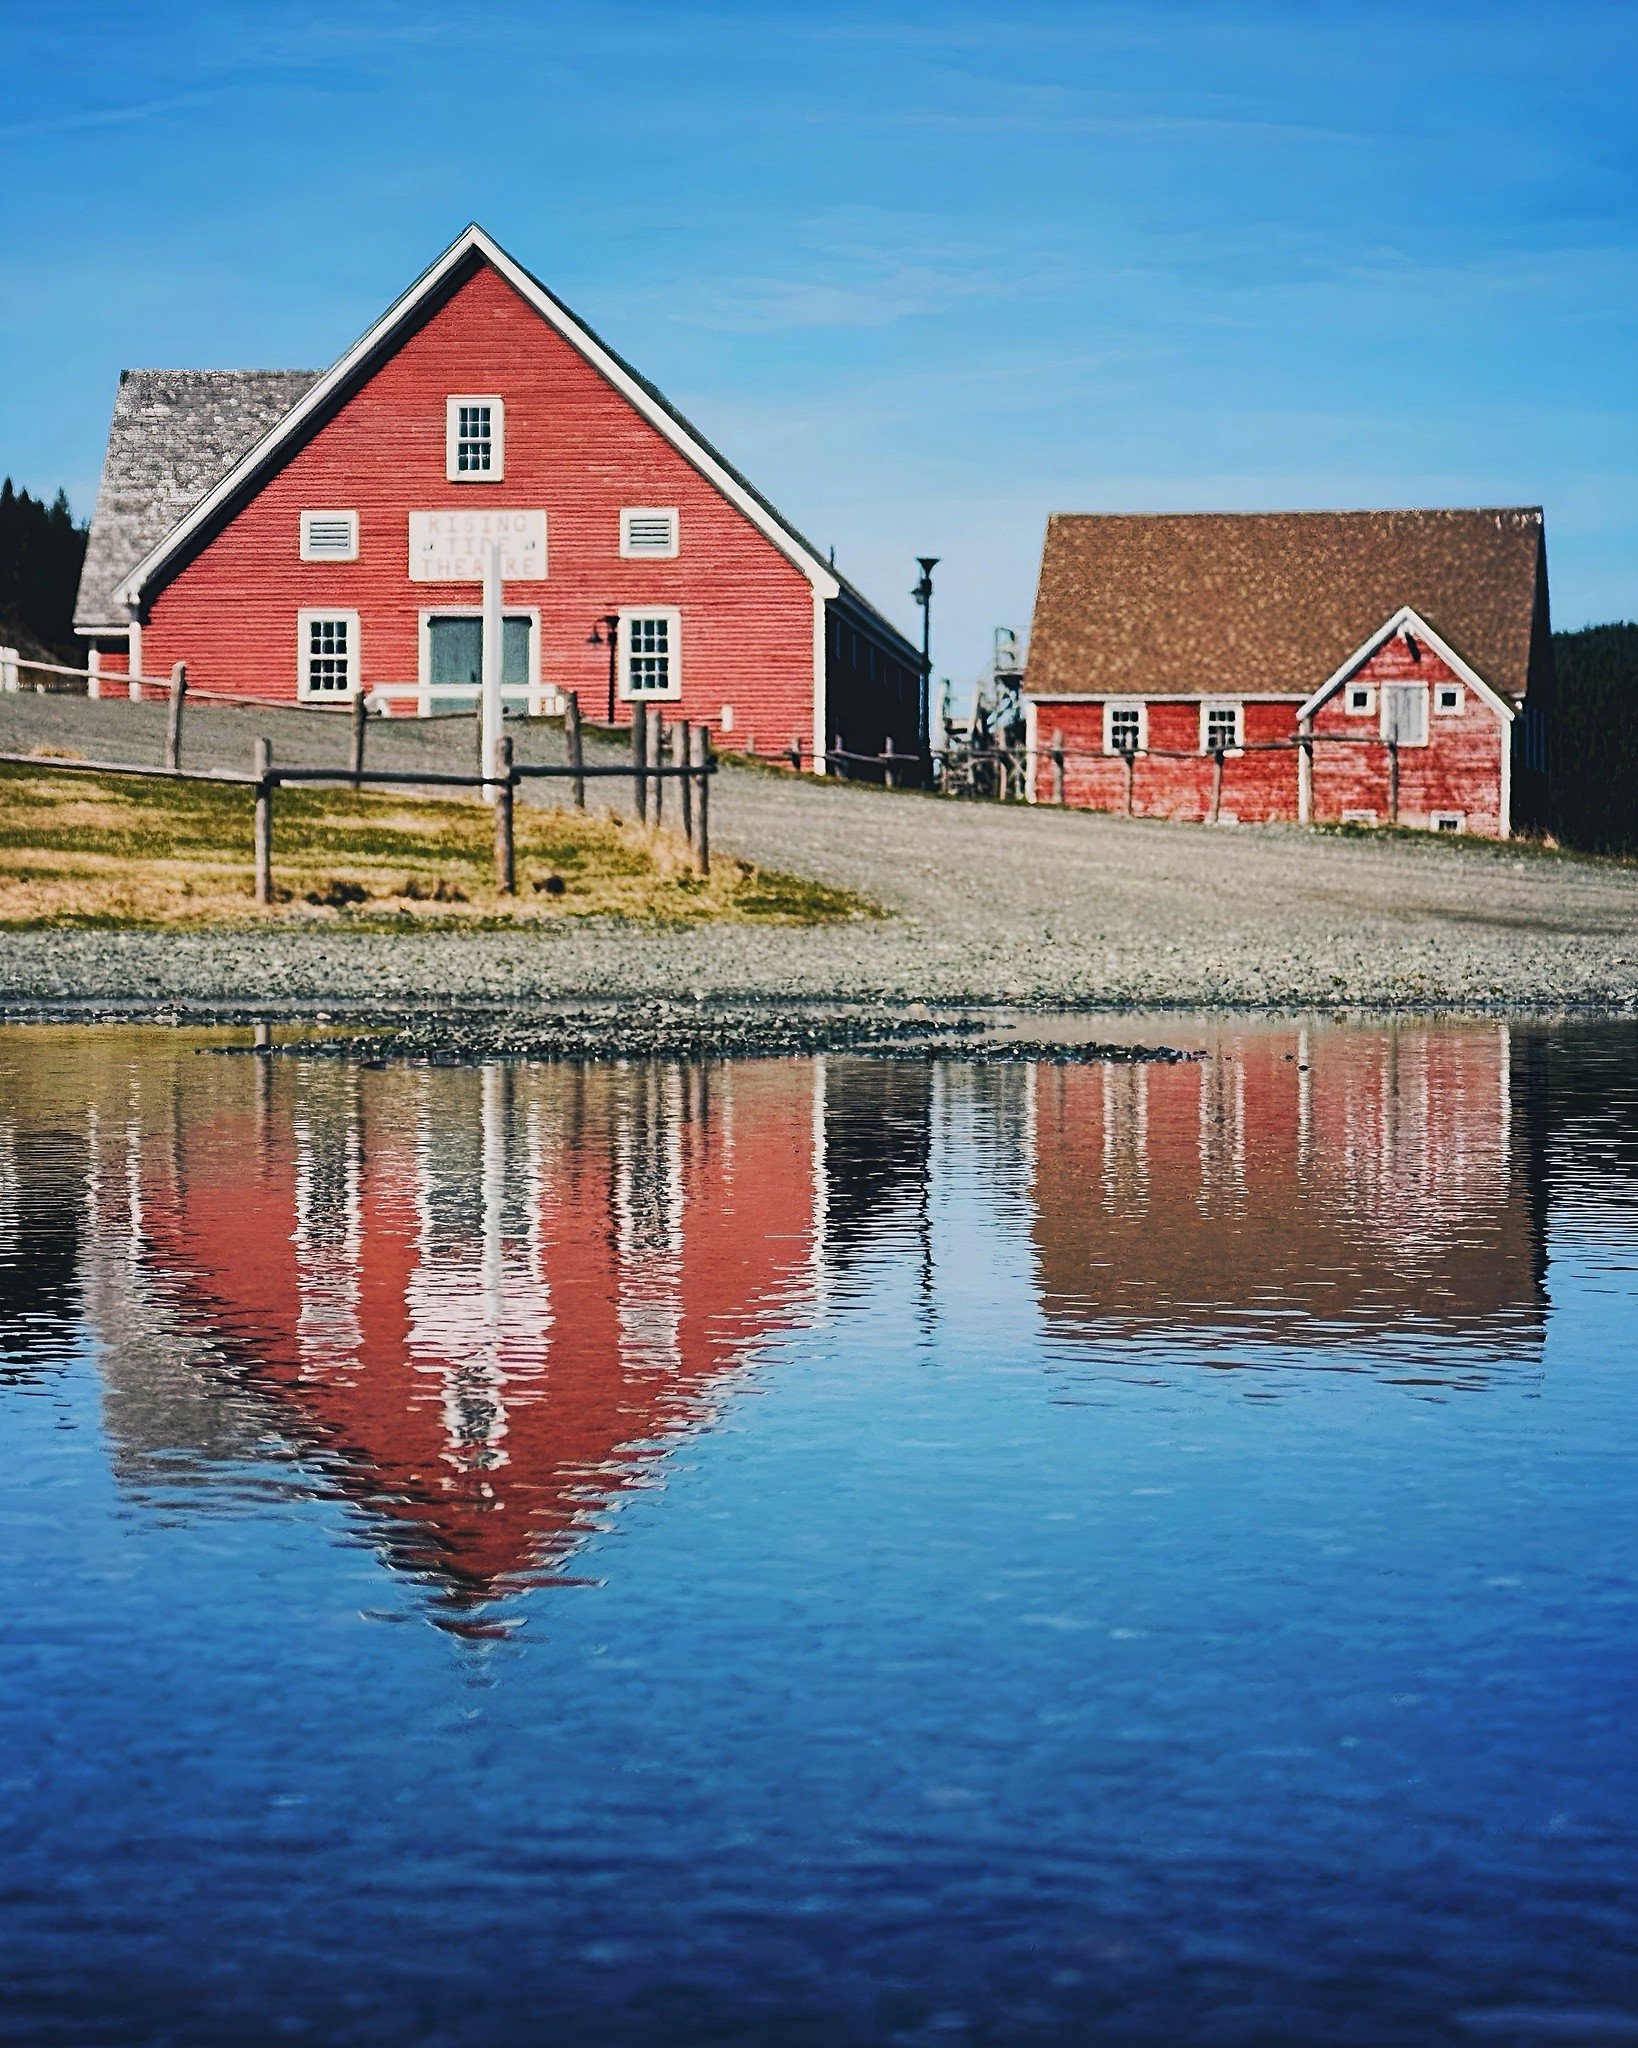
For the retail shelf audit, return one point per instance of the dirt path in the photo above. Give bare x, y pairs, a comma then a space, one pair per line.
989, 904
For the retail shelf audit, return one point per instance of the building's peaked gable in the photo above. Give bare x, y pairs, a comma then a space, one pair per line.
470, 247
1407, 620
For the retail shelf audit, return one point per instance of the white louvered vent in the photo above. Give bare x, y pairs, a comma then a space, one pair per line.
648, 530
329, 536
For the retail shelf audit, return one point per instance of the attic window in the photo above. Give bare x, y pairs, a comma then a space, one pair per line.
648, 530
1447, 699
1361, 700
329, 536
474, 438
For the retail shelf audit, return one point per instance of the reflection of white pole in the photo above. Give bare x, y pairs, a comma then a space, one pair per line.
491, 671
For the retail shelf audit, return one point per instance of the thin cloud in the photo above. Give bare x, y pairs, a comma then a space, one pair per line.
107, 117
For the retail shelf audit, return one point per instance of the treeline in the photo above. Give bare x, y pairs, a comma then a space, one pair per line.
1594, 771
41, 550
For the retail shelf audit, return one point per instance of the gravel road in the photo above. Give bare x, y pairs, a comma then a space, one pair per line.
989, 905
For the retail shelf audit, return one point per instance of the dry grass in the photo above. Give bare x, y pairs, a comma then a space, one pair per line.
90, 850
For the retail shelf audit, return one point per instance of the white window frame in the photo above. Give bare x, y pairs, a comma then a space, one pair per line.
1448, 710
1366, 708
1210, 704
1427, 712
304, 621
1115, 704
328, 554
496, 471
423, 647
629, 553
1448, 821
674, 650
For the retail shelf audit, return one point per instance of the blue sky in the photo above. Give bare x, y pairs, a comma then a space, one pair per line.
927, 272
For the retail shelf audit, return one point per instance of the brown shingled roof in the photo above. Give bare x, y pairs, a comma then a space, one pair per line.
1188, 603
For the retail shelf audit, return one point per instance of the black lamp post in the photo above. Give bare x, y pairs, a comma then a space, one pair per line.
596, 638
923, 594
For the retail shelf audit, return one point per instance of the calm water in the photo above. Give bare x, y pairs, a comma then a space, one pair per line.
821, 1552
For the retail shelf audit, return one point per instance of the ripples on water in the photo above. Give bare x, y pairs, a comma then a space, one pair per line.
817, 1551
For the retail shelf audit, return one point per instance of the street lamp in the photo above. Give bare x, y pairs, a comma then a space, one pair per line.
923, 594
597, 638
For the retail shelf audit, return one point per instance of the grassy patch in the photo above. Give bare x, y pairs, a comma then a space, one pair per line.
1472, 843
91, 850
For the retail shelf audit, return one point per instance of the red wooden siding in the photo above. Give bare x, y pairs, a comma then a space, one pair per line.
1458, 772
573, 446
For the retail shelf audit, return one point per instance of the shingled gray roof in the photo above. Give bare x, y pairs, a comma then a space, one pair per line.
1176, 604
173, 434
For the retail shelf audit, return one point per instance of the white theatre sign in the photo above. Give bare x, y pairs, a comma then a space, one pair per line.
450, 547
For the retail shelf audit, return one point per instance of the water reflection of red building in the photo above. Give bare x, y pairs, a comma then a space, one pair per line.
487, 1297
1313, 1184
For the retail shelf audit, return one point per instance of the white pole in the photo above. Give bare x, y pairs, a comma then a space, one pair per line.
492, 650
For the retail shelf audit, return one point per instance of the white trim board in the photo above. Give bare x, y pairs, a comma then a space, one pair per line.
1407, 618
473, 241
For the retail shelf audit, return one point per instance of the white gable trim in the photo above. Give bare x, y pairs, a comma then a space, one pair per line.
1407, 619
474, 240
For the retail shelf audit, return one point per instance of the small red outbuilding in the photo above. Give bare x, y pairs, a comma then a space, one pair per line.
1357, 667
299, 535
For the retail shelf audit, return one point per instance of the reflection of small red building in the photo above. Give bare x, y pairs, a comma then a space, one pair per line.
485, 1303
1369, 667
1307, 1185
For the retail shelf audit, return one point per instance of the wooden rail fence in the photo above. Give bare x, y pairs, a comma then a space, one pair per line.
691, 765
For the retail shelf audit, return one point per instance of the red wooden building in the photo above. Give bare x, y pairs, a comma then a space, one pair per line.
1364, 667
302, 536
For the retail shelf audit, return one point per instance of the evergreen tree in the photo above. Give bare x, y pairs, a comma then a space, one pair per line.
1594, 739
41, 549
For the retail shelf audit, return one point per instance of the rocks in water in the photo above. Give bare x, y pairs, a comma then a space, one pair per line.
666, 1030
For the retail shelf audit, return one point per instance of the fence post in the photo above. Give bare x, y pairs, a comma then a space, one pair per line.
656, 760
1216, 784
264, 821
9, 678
93, 673
1393, 782
506, 873
1057, 764
639, 760
358, 735
577, 756
888, 776
1305, 774
679, 759
173, 728
1130, 755
1003, 775
700, 754
796, 753
840, 760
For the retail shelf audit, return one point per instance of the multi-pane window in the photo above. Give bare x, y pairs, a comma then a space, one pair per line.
648, 530
1124, 729
1220, 727
329, 653
649, 654
474, 438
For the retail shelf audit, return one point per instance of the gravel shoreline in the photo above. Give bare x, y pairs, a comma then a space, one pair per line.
1028, 908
